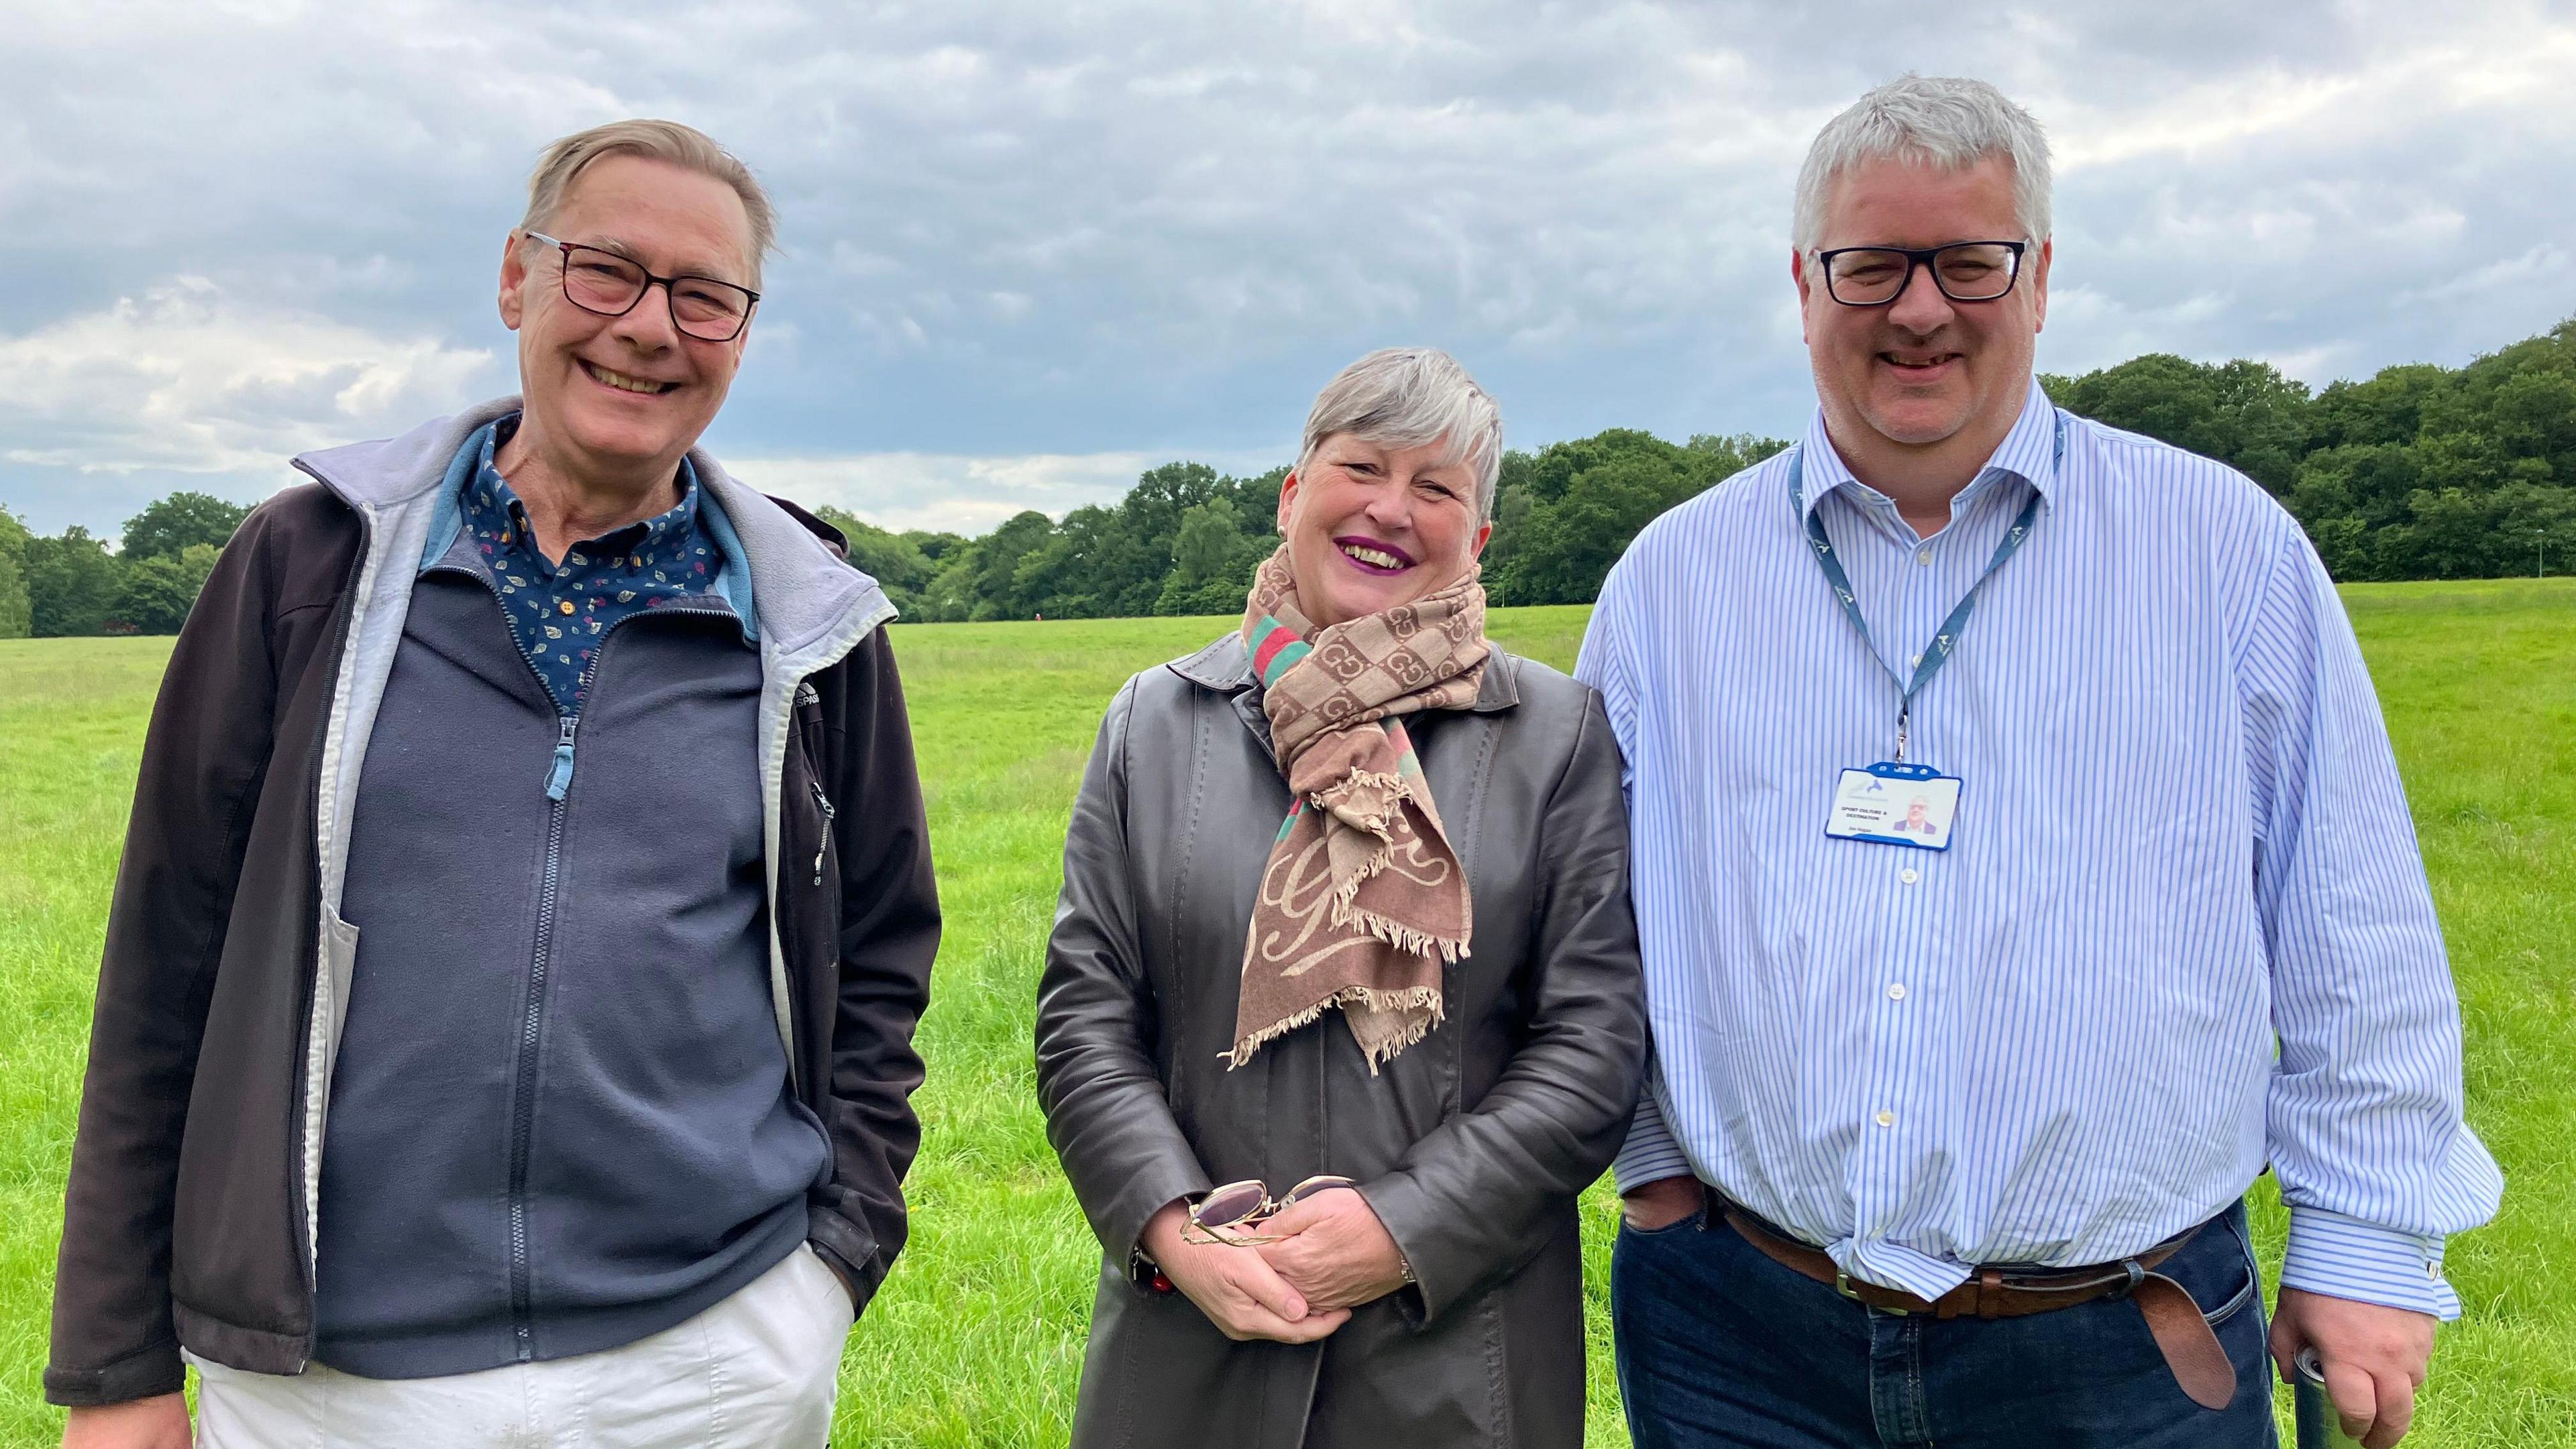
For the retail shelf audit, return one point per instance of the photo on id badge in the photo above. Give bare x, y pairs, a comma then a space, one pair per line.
1892, 804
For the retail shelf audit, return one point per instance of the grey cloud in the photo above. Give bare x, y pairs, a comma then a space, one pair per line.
1153, 228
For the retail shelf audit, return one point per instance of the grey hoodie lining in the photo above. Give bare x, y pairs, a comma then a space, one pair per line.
813, 609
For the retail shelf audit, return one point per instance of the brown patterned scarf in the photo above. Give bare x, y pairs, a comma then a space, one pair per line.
1363, 899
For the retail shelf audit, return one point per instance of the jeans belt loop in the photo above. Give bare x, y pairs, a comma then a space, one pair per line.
2137, 1274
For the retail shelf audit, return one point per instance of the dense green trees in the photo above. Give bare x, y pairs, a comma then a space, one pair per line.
14, 607
1184, 540
170, 526
2418, 472
1564, 514
72, 584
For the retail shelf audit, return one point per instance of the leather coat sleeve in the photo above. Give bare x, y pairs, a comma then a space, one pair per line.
1104, 1099
1471, 1204
204, 757
889, 936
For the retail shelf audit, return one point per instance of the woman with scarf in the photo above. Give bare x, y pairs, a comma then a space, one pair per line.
1342, 1007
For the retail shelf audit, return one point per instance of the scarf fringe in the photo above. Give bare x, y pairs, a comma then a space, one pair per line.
1408, 999
1347, 911
1393, 786
1385, 1051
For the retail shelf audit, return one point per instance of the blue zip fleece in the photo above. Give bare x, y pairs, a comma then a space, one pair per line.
560, 1118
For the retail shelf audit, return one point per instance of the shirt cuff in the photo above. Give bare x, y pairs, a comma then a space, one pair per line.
1651, 1154
2344, 1257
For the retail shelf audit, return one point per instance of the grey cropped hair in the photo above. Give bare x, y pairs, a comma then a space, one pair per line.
1942, 121
1407, 397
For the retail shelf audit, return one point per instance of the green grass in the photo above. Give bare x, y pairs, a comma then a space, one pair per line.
977, 1337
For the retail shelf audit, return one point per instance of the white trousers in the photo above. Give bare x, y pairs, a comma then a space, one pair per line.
758, 1370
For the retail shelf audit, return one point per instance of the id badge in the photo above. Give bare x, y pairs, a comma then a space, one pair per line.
1893, 804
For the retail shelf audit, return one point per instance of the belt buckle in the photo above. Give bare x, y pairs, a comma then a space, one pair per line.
1843, 1286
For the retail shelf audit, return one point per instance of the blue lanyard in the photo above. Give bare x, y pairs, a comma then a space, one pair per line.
1930, 661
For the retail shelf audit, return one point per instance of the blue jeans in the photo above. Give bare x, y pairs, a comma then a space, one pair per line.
1719, 1345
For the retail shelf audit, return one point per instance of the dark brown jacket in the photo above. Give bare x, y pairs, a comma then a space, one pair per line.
188, 1219
1471, 1145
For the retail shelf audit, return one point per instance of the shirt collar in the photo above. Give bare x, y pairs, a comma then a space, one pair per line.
489, 496
2029, 452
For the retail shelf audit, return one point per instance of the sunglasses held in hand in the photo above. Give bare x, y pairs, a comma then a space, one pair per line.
1229, 1213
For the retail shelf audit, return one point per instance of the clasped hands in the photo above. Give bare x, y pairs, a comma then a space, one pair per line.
1324, 1255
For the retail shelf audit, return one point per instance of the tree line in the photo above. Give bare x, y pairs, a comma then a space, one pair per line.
2419, 472
74, 584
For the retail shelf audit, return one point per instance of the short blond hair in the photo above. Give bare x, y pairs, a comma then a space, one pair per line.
668, 141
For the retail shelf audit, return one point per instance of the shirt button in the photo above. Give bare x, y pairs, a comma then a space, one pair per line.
2433, 1272
1923, 556
1917, 660
1908, 875
1896, 991
1885, 1119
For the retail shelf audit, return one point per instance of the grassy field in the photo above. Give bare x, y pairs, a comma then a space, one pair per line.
977, 1338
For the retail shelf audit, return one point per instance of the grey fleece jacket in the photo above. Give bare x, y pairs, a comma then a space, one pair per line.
561, 1114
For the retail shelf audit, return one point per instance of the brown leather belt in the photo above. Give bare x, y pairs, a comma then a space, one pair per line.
2199, 1365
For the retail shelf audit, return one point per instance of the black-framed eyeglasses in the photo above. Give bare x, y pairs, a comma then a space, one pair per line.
596, 279
1977, 271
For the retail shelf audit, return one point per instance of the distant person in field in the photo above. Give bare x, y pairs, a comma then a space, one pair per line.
1951, 1148
505, 1031
1342, 1008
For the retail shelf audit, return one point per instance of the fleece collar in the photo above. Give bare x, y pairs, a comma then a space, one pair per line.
791, 591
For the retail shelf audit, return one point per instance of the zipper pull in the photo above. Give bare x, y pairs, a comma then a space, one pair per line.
829, 814
560, 780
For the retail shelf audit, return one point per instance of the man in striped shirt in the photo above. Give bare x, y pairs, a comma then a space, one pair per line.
1950, 1127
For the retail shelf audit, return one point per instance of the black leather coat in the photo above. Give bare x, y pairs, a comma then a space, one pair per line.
1470, 1146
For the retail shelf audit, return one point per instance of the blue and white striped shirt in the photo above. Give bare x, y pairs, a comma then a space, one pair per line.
2181, 840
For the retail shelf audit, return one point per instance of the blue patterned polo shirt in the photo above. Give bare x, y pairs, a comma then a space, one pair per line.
560, 612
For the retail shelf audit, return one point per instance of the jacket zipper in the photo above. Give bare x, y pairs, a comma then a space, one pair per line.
523, 1095
523, 1113
829, 815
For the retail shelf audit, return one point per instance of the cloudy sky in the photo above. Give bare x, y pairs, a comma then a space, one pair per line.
1032, 248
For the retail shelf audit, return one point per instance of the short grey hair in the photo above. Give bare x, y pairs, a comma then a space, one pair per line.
686, 147
1407, 397
1939, 121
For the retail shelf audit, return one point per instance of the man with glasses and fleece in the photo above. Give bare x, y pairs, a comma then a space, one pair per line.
1949, 1132
505, 1029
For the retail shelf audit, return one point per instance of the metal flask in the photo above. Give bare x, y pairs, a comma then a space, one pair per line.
2319, 1427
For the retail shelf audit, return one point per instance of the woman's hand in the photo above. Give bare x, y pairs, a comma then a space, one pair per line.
1333, 1250
1235, 1287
